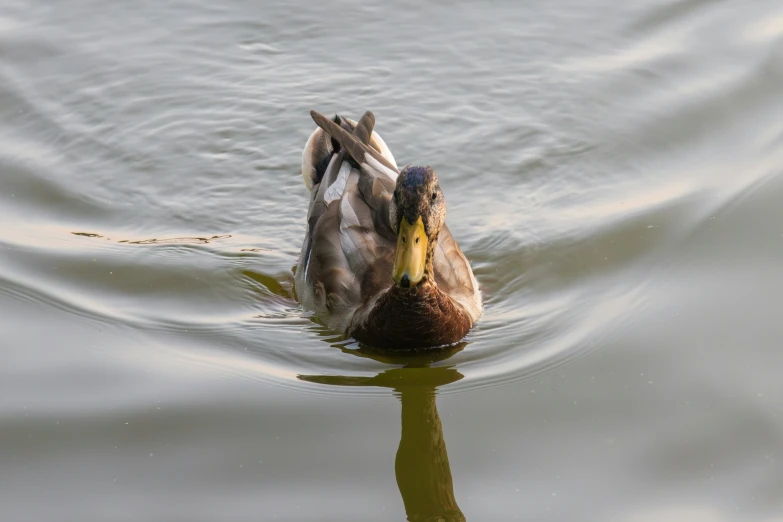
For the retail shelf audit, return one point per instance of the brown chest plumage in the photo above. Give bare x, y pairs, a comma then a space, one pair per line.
410, 318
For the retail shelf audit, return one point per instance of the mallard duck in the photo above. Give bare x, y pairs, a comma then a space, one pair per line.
378, 262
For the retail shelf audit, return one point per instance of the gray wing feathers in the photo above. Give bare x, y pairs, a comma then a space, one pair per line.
343, 249
453, 273
335, 289
318, 204
356, 226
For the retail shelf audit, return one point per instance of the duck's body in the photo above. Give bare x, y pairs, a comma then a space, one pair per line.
359, 217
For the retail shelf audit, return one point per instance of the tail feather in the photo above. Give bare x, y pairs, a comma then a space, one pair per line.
358, 137
364, 128
354, 146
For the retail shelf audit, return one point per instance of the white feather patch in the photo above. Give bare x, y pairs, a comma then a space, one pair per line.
380, 167
307, 263
336, 189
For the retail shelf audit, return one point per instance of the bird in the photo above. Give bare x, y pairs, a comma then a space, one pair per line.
378, 263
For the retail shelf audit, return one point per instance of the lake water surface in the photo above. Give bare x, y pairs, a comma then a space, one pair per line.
613, 171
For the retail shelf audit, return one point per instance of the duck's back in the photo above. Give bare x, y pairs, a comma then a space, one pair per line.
348, 250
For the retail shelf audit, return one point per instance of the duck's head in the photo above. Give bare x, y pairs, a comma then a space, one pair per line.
417, 213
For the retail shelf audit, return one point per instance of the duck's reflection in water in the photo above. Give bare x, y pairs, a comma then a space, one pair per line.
422, 463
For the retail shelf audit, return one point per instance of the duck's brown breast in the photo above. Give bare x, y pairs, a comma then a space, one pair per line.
410, 318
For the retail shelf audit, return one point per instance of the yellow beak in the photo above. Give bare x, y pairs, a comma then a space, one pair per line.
411, 255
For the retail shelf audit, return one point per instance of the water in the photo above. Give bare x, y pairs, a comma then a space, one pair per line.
612, 172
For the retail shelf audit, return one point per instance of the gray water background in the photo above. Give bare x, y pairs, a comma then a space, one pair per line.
614, 172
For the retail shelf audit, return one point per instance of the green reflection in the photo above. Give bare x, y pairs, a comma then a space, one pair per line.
422, 462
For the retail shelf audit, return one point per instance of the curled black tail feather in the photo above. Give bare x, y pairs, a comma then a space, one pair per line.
352, 144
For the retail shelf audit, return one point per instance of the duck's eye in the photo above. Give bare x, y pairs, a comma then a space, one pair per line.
403, 240
434, 196
417, 240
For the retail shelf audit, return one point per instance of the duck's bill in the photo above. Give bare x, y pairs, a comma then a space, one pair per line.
411, 255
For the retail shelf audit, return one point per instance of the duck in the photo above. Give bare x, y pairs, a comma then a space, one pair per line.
378, 263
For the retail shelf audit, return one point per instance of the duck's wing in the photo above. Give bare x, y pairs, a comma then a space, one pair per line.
454, 275
345, 252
